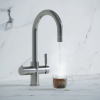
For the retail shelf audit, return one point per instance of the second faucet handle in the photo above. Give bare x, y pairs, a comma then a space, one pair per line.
45, 55
45, 61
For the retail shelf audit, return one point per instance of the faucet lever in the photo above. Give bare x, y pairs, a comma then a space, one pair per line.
45, 55
45, 61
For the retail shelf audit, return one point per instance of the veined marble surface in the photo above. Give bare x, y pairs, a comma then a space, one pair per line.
80, 49
82, 88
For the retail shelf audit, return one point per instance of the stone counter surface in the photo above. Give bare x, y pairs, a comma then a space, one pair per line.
82, 88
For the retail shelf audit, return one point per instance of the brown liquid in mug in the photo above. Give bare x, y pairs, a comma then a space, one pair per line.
59, 83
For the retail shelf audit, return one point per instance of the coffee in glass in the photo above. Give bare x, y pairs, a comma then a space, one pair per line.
59, 82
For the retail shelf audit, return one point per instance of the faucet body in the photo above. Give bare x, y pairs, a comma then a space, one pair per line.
34, 70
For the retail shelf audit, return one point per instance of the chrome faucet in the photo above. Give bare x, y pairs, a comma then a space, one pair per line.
34, 70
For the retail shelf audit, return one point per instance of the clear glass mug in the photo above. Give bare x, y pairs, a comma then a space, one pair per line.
60, 82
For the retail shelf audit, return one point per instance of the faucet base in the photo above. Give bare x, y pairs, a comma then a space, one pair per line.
35, 79
34, 84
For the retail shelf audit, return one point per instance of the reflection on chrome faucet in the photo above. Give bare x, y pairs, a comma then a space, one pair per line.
34, 70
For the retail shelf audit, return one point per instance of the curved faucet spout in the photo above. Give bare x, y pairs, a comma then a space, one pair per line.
35, 27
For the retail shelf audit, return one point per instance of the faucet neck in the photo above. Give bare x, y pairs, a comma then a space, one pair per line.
35, 27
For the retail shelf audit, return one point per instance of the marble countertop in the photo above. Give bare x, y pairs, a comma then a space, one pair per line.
82, 88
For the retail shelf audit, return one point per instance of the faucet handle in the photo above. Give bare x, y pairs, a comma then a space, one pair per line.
45, 61
45, 55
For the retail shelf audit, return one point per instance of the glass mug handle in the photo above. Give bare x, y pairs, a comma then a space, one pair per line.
71, 82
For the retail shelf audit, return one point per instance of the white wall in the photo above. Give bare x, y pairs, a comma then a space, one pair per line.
79, 55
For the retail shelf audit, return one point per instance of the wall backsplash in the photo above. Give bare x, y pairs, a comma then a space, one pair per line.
80, 49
